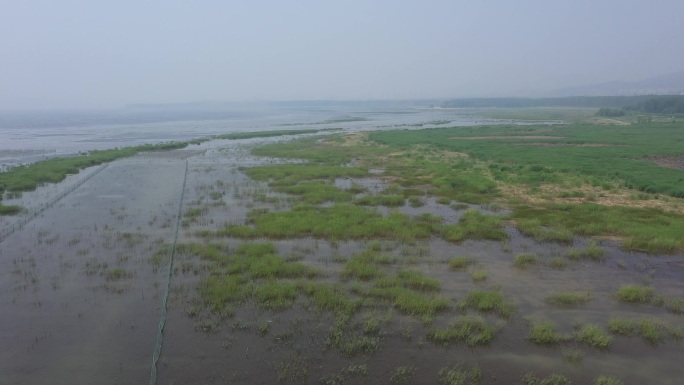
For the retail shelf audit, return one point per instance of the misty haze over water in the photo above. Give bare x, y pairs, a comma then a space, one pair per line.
30, 136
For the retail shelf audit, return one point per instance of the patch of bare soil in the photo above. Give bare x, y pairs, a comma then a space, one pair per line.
532, 137
674, 162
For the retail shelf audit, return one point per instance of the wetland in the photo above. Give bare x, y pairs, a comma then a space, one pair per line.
498, 254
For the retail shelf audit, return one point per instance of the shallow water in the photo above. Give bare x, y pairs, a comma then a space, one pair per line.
232, 350
64, 319
27, 137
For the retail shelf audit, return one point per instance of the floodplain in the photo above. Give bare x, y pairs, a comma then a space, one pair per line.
537, 254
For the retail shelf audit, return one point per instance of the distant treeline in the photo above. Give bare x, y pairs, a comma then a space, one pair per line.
669, 105
642, 103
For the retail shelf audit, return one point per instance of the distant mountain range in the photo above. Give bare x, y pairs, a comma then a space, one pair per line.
671, 84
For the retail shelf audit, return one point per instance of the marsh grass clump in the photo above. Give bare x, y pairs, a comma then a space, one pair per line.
475, 225
473, 330
525, 260
117, 274
275, 295
408, 301
479, 275
350, 342
315, 192
373, 323
326, 297
342, 376
622, 326
460, 376
415, 304
402, 375
545, 334
558, 263
364, 266
635, 294
252, 271
161, 256
592, 251
9, 210
553, 379
489, 301
607, 380
674, 305
193, 213
410, 279
340, 221
222, 293
533, 228
573, 356
650, 331
283, 175
416, 201
648, 229
381, 200
568, 298
460, 263
593, 335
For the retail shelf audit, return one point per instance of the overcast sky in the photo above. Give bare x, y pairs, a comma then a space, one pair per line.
92, 54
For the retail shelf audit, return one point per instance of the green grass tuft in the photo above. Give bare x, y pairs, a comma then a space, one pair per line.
475, 225
635, 294
607, 380
490, 301
472, 330
460, 376
553, 379
592, 251
593, 335
460, 263
479, 275
545, 334
525, 260
622, 326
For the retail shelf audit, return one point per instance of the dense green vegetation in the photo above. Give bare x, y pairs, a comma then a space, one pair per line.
547, 154
648, 229
565, 156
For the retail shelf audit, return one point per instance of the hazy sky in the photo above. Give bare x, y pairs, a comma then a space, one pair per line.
61, 54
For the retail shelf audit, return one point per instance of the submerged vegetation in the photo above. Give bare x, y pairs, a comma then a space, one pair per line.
425, 241
371, 190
